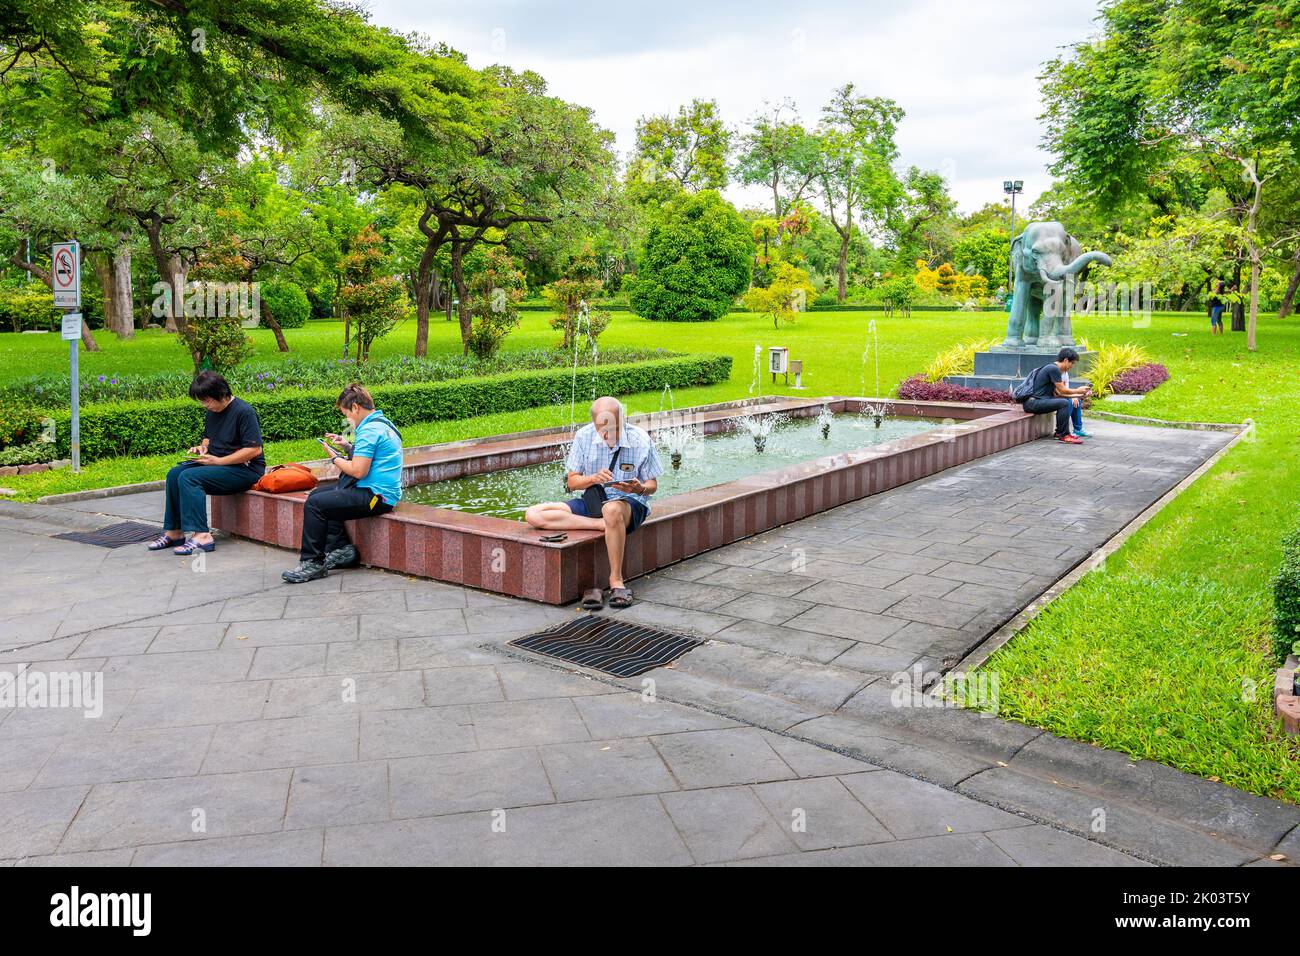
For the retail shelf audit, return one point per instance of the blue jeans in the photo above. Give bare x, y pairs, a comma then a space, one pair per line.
1216, 316
189, 484
1076, 416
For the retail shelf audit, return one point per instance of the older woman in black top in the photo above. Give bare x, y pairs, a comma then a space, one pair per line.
227, 461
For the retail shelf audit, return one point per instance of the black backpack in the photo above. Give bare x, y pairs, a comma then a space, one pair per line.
1025, 390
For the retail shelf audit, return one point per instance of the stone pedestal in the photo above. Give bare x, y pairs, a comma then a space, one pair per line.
1001, 368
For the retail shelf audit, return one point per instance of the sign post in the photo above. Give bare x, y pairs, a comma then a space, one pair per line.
65, 280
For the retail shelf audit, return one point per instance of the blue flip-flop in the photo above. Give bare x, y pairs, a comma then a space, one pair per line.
191, 546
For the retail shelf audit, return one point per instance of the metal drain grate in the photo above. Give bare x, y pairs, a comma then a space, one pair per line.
617, 648
115, 535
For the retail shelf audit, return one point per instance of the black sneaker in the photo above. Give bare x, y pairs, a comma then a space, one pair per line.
305, 571
344, 557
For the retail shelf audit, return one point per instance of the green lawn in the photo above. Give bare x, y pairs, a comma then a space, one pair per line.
1160, 655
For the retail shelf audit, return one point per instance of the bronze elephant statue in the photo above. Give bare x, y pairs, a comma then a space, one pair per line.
1045, 259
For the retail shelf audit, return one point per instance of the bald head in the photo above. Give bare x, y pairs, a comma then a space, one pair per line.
607, 416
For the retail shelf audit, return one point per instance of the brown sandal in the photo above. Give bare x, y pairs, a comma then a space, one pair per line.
593, 600
620, 597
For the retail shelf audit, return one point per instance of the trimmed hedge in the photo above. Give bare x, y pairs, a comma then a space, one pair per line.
1286, 598
160, 427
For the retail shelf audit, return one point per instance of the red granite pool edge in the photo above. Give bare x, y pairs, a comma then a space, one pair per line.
507, 556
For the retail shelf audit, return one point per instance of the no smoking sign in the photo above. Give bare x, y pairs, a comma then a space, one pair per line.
66, 275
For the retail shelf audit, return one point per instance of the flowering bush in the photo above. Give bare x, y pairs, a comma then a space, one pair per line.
1140, 380
918, 389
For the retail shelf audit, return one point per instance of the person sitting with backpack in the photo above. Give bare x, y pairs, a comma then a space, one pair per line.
370, 484
1046, 389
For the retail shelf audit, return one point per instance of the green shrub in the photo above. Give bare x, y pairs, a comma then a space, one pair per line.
157, 428
1286, 598
27, 306
17, 425
33, 453
294, 373
219, 342
697, 259
287, 303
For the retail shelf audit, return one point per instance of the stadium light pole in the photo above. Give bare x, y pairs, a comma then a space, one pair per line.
1011, 187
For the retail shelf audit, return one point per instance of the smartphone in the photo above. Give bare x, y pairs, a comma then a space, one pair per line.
328, 447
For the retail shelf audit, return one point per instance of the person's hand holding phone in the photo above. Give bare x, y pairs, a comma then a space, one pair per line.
602, 477
632, 486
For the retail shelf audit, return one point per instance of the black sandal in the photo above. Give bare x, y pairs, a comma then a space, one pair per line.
593, 600
620, 597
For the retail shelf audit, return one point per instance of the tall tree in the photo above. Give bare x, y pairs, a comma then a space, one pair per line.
778, 154
1215, 81
856, 153
690, 148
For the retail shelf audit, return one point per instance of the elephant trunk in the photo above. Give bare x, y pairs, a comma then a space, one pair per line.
1058, 272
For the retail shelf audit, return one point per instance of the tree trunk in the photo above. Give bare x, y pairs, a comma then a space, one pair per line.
1289, 298
423, 300
843, 267
1238, 311
87, 339
99, 261
462, 292
123, 297
269, 321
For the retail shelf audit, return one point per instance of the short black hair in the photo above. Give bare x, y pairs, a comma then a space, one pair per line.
208, 384
1067, 354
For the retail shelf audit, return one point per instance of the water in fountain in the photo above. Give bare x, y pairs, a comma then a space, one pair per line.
824, 419
756, 383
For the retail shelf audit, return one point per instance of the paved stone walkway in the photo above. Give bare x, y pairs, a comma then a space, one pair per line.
370, 718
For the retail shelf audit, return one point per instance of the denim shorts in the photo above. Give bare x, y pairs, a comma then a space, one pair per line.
639, 511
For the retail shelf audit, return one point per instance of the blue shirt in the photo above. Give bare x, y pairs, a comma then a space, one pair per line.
637, 458
375, 439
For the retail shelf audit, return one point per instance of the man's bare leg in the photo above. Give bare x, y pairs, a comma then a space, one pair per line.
616, 515
556, 516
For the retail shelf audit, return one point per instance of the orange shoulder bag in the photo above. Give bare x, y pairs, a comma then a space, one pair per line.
285, 478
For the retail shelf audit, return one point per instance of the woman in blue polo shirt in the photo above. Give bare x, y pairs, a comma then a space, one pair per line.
370, 484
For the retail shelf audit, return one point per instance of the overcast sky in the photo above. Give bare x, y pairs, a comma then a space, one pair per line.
964, 72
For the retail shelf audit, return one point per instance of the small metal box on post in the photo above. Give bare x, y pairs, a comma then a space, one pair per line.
65, 281
778, 360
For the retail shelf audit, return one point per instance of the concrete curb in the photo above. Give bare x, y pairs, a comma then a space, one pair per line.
980, 654
1166, 423
94, 493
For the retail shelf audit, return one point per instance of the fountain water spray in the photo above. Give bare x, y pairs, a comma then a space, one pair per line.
870, 350
675, 438
756, 383
876, 411
824, 419
759, 427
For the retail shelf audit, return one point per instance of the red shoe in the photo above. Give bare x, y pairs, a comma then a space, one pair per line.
1070, 440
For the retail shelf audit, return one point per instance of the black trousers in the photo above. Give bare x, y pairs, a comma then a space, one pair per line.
326, 510
1059, 405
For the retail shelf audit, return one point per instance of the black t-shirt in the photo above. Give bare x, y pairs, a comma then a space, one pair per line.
234, 428
1045, 380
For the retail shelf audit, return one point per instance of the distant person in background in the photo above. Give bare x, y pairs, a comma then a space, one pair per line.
226, 461
1217, 306
369, 485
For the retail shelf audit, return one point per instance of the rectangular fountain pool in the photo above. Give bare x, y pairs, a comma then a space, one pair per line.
705, 460
719, 496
